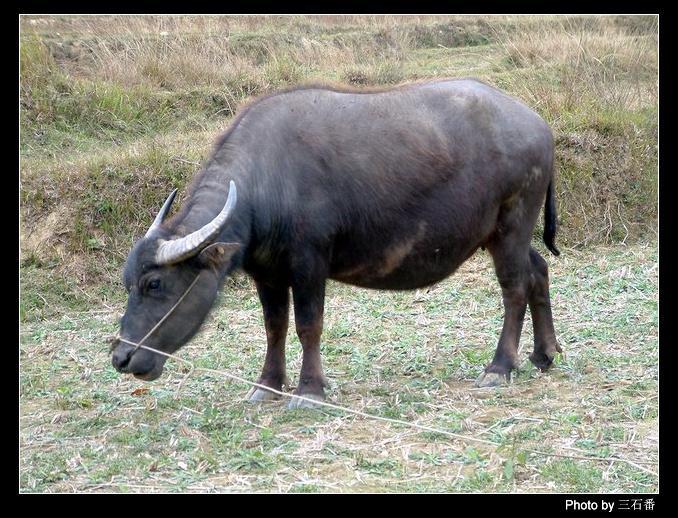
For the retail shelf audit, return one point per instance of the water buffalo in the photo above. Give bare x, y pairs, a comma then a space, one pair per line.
388, 189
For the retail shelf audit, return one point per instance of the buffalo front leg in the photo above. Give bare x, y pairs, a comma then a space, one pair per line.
309, 299
275, 302
545, 344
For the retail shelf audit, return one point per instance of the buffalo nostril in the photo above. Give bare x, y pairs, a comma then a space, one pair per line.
113, 342
121, 359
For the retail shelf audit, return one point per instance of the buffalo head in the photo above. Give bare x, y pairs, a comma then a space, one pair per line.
172, 282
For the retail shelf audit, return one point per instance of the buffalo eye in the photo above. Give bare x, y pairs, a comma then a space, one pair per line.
154, 284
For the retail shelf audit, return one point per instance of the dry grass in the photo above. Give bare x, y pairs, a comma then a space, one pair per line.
615, 68
125, 87
602, 90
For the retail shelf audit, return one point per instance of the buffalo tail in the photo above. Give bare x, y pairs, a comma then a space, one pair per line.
550, 221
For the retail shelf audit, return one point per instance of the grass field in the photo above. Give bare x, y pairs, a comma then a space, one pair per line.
405, 355
117, 111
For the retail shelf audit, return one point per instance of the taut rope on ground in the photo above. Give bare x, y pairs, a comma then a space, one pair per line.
384, 419
314, 401
139, 345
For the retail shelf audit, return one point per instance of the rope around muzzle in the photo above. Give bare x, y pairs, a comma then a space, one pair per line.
137, 345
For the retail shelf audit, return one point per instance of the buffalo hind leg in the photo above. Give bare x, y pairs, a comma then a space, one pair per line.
545, 344
309, 300
275, 302
511, 262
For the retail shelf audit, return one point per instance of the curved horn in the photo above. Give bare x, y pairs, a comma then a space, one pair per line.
179, 249
163, 212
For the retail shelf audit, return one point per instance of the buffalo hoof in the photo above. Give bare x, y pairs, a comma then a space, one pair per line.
298, 402
542, 361
257, 394
491, 379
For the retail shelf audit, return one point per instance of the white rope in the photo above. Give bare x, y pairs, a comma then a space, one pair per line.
385, 419
138, 345
315, 401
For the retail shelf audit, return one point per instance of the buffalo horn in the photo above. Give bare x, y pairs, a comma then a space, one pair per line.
179, 249
163, 212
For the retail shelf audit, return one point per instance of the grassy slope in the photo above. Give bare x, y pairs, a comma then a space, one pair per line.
406, 355
116, 112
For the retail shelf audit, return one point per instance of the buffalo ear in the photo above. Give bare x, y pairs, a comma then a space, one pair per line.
218, 255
